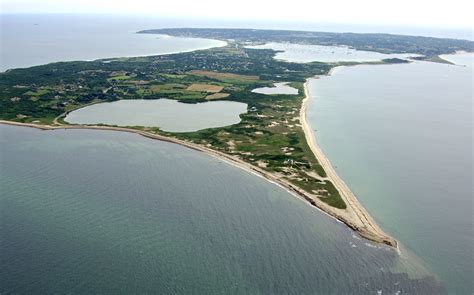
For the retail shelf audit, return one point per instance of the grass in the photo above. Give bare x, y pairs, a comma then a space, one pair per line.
38, 92
191, 95
118, 78
326, 190
166, 87
225, 77
438, 59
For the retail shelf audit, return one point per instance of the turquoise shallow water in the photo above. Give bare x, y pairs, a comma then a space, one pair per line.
87, 211
401, 137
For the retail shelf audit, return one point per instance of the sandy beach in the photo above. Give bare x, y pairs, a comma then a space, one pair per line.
354, 216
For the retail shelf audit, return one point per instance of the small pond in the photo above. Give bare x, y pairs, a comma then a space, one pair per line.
280, 88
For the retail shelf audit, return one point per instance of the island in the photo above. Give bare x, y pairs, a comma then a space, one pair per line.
273, 138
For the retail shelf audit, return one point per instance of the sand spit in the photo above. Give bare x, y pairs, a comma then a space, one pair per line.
355, 215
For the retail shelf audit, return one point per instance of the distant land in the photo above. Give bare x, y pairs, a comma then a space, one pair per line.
383, 43
273, 138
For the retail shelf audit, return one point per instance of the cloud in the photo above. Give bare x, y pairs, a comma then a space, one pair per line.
456, 13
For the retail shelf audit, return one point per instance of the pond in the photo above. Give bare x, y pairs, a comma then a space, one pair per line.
279, 88
169, 115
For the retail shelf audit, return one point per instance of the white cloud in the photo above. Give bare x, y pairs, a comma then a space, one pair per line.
455, 13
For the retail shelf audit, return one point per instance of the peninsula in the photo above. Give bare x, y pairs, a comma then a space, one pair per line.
273, 138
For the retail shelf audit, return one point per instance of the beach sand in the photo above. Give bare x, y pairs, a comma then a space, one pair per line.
355, 216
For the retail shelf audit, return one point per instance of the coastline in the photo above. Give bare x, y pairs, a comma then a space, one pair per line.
354, 216
223, 44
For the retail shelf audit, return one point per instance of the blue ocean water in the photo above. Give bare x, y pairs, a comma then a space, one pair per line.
401, 137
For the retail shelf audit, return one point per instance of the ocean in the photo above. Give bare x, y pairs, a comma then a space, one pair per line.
86, 211
401, 138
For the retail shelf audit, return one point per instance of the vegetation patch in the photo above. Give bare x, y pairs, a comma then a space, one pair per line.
37, 92
167, 87
119, 78
223, 76
217, 96
205, 88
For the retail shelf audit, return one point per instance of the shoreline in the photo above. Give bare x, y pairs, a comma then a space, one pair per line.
124, 56
216, 154
354, 216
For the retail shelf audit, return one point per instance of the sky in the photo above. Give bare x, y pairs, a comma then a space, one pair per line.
452, 14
